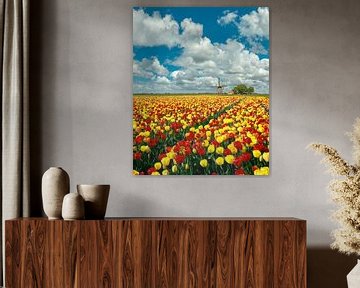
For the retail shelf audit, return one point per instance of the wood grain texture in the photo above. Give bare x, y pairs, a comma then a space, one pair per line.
231, 252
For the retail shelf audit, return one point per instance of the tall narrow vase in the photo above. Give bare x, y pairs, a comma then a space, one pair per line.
55, 185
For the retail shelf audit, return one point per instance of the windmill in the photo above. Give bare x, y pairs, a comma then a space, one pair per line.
220, 88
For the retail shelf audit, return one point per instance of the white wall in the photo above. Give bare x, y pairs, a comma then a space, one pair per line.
84, 94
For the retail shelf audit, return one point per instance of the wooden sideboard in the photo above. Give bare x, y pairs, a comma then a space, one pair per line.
156, 252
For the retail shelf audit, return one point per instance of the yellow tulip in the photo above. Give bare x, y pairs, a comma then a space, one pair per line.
256, 153
170, 154
165, 172
262, 171
135, 172
253, 141
266, 156
219, 161
211, 149
165, 161
228, 120
157, 165
232, 148
174, 169
155, 173
203, 163
220, 139
265, 170
145, 148
229, 159
220, 150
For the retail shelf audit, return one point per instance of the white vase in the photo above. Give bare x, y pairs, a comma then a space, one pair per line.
96, 198
353, 278
73, 207
55, 185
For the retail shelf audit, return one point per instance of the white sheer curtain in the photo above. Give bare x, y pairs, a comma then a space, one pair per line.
14, 25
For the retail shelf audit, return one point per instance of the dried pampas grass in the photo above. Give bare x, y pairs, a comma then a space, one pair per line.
345, 191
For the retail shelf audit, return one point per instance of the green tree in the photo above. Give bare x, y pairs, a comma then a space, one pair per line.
243, 89
251, 90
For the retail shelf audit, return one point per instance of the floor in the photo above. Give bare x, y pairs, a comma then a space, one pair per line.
328, 268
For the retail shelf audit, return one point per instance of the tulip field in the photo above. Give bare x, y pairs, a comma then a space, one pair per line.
200, 135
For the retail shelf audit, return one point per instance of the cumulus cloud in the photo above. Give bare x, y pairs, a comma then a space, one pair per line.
154, 30
148, 68
253, 27
201, 61
162, 80
191, 31
228, 18
230, 61
255, 24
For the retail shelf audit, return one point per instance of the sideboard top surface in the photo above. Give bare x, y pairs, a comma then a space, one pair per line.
175, 219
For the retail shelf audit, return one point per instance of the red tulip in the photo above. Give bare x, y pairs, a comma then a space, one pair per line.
139, 139
239, 172
137, 156
179, 159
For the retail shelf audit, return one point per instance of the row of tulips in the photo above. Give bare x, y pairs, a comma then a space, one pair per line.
165, 119
232, 141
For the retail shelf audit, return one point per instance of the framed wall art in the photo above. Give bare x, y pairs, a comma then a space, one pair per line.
201, 91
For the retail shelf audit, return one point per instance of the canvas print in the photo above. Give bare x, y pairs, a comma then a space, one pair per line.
201, 91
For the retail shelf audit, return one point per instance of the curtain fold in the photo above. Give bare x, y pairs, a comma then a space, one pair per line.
15, 162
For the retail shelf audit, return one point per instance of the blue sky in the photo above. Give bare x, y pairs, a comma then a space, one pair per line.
186, 49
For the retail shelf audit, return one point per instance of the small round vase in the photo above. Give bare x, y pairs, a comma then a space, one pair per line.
55, 185
73, 207
96, 198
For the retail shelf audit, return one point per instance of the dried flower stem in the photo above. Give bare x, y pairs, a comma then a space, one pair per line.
345, 191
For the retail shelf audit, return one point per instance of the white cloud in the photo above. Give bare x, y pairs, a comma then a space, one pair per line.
255, 24
154, 30
162, 80
201, 61
228, 18
197, 49
199, 52
177, 74
156, 67
230, 61
257, 47
191, 31
148, 68
138, 71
